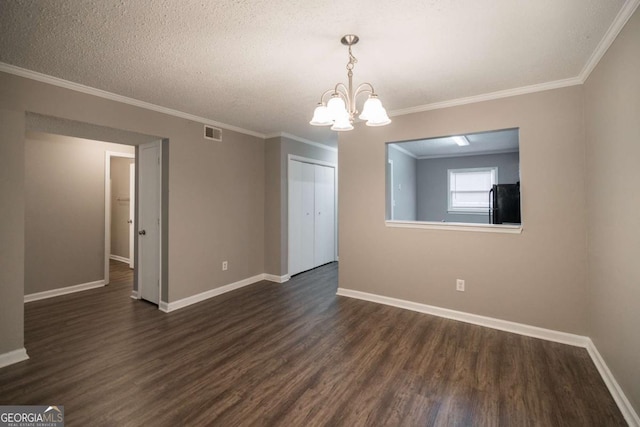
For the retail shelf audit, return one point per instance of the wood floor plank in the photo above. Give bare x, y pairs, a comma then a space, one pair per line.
292, 354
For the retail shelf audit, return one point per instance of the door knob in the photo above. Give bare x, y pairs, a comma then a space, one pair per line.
142, 232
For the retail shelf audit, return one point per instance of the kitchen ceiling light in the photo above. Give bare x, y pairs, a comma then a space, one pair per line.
461, 140
341, 109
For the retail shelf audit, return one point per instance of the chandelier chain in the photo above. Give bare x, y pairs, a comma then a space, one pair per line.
352, 60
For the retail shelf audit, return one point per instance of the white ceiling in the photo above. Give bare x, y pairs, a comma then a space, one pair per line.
261, 65
499, 141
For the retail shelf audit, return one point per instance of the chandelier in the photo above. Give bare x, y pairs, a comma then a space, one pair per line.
340, 110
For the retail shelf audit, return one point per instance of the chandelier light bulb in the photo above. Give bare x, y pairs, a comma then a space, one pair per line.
336, 107
321, 116
371, 108
342, 124
379, 119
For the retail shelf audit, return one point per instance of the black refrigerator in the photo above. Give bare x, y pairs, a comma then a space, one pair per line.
504, 204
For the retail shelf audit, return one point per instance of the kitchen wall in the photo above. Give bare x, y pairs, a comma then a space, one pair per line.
120, 206
612, 112
536, 277
433, 183
64, 210
404, 185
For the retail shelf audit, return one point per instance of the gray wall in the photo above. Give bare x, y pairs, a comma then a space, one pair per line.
64, 210
215, 209
119, 207
612, 112
433, 182
404, 185
277, 151
12, 124
540, 279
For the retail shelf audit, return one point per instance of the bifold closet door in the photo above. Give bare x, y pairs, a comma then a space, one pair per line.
324, 204
301, 217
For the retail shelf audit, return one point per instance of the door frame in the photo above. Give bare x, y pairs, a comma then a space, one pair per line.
138, 294
294, 158
107, 207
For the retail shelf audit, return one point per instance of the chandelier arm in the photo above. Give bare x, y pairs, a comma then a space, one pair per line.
364, 88
344, 93
326, 92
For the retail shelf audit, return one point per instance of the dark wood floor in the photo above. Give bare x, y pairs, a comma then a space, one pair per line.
292, 354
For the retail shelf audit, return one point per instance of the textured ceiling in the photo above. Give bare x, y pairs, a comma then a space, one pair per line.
262, 64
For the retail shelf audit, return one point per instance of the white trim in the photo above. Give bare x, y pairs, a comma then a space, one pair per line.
489, 322
107, 206
119, 258
12, 357
299, 139
312, 161
277, 279
181, 303
402, 150
618, 395
55, 81
489, 96
63, 291
135, 295
616, 26
456, 226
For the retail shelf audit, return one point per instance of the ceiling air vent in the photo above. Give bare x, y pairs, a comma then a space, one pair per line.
214, 134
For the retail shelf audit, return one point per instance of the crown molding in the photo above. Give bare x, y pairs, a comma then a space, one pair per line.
303, 140
614, 29
55, 81
402, 150
489, 96
616, 26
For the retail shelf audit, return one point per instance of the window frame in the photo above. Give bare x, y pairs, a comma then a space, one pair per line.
469, 210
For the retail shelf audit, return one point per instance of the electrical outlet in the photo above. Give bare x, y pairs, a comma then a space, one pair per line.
225, 265
460, 285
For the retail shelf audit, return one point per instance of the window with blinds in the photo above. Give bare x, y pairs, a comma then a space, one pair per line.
469, 189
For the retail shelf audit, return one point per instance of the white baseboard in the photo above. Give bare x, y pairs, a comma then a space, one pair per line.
489, 322
119, 258
12, 357
618, 395
163, 306
63, 291
135, 295
277, 279
517, 328
175, 305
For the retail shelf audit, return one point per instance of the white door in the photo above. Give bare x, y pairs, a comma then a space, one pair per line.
132, 212
149, 222
295, 217
301, 217
324, 236
311, 216
307, 260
